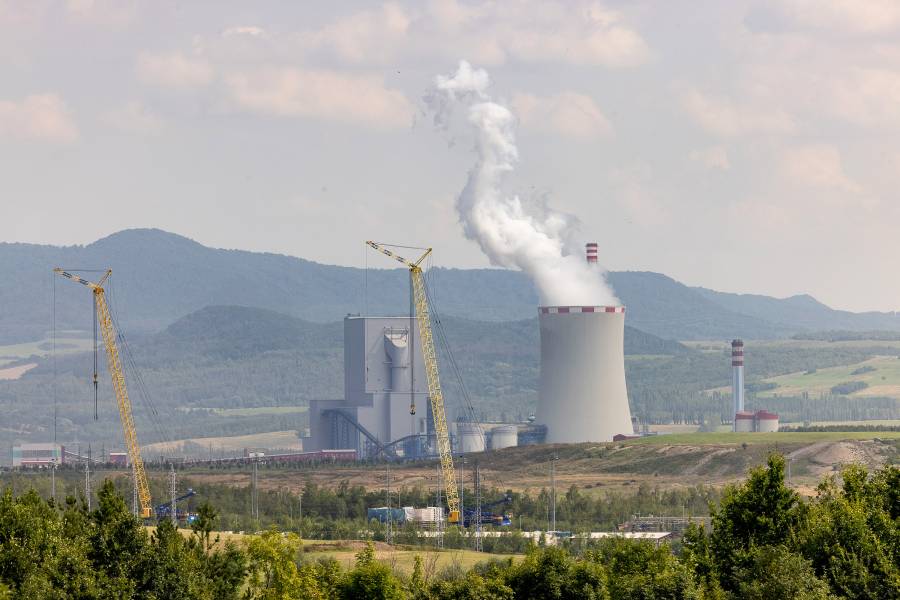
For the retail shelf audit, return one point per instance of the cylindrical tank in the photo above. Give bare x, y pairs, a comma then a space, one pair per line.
504, 436
397, 348
743, 421
766, 422
470, 436
583, 397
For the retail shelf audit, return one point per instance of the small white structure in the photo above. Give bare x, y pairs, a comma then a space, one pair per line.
470, 437
744, 422
504, 436
766, 422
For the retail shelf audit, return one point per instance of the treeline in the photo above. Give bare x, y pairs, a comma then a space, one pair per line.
765, 542
841, 427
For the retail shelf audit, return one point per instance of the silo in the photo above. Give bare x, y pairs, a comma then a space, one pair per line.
470, 436
583, 397
744, 422
766, 422
504, 436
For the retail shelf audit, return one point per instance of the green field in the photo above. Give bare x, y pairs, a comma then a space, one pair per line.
66, 343
883, 381
694, 439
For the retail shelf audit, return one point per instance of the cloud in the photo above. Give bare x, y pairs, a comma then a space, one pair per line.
817, 166
294, 92
581, 32
364, 37
568, 114
726, 118
135, 118
841, 16
174, 70
715, 157
43, 117
250, 30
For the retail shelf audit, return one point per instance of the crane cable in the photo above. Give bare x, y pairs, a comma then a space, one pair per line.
445, 345
138, 378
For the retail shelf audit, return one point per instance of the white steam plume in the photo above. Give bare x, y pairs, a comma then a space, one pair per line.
512, 233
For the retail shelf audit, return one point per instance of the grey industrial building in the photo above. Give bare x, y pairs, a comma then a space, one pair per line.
383, 375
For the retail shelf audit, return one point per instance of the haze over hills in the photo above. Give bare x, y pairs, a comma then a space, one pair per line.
159, 277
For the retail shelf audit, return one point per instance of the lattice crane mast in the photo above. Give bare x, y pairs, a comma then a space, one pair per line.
117, 373
420, 298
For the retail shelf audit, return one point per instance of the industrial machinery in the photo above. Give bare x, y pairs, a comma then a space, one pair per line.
117, 373
488, 518
164, 511
420, 297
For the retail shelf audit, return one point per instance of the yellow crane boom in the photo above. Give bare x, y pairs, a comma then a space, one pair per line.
435, 394
104, 319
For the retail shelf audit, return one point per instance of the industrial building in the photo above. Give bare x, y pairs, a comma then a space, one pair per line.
384, 376
746, 421
583, 397
761, 421
37, 455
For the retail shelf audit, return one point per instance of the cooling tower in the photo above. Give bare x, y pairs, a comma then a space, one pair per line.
582, 391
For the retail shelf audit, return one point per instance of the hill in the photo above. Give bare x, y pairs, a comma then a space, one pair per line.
159, 277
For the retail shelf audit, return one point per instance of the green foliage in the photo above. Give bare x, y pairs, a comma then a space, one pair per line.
765, 543
371, 579
776, 572
762, 511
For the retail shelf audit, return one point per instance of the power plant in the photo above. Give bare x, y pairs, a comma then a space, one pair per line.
583, 397
384, 375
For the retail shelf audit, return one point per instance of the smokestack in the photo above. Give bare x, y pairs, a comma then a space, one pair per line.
591, 252
583, 397
737, 380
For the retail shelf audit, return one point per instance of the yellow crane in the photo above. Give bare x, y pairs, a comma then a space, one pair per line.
104, 319
435, 394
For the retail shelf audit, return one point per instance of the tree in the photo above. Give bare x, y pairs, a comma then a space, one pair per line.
852, 536
762, 511
273, 569
776, 572
205, 524
371, 579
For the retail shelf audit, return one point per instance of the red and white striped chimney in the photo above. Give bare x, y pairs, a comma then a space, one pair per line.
591, 252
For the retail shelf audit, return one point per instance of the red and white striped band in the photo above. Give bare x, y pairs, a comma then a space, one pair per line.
562, 310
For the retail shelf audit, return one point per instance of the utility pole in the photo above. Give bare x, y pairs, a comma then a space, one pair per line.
87, 484
439, 523
390, 518
553, 492
53, 479
174, 508
254, 492
462, 489
478, 544
134, 487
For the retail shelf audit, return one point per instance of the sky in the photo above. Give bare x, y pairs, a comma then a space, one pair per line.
747, 146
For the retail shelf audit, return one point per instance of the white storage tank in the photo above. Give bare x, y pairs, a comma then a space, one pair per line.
504, 436
744, 421
583, 397
766, 422
470, 437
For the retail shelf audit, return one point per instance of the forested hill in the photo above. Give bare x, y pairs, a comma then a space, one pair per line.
159, 277
236, 332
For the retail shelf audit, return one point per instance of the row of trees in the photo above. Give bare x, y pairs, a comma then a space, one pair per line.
765, 542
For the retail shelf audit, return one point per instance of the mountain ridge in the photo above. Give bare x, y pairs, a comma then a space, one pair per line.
159, 277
